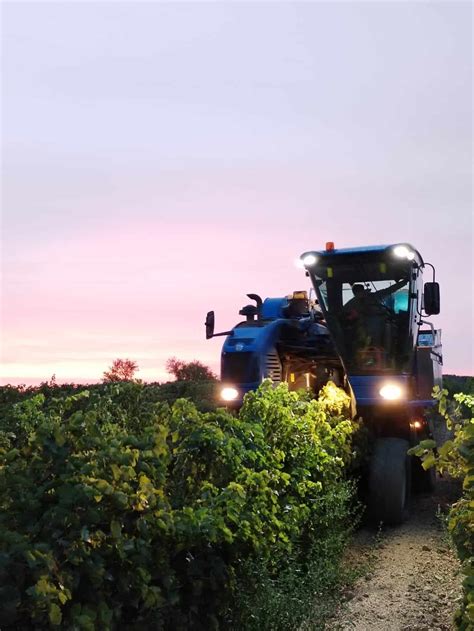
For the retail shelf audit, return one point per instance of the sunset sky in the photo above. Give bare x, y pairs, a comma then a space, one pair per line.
163, 159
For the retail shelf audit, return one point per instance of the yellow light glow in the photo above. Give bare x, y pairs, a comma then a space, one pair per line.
417, 424
300, 295
229, 394
391, 392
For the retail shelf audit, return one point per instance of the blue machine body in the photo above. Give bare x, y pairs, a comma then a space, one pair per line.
318, 344
254, 349
243, 352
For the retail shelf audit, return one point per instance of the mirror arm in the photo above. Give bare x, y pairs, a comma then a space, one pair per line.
418, 308
223, 333
434, 271
430, 324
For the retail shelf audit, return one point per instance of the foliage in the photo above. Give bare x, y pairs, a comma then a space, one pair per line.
121, 370
189, 371
203, 394
455, 384
131, 397
303, 589
118, 511
456, 457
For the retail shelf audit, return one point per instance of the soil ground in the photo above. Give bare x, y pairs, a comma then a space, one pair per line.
413, 583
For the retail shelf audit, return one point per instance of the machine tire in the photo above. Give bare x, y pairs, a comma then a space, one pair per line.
389, 481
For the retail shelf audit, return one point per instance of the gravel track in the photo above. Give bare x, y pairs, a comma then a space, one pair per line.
413, 582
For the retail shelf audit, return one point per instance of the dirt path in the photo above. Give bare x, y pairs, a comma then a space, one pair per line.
414, 582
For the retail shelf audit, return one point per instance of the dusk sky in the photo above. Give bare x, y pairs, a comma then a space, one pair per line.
163, 159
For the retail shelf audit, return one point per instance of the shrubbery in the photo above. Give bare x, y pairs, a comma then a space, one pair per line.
202, 393
456, 457
119, 511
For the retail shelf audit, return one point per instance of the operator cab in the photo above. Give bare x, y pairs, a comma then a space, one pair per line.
372, 299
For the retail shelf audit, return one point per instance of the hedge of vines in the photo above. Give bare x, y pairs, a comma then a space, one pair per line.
456, 457
118, 511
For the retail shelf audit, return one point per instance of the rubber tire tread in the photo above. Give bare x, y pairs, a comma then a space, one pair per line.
389, 473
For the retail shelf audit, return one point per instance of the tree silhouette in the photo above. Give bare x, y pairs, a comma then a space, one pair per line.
189, 371
121, 370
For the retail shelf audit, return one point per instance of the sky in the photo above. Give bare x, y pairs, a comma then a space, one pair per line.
163, 159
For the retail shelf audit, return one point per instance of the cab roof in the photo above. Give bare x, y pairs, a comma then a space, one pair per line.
361, 250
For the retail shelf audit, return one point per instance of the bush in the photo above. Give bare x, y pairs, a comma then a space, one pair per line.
121, 370
189, 371
303, 585
456, 457
119, 512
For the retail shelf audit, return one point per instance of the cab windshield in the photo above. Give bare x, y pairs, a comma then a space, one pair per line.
367, 310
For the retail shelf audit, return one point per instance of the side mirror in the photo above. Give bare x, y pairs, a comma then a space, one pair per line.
210, 320
431, 298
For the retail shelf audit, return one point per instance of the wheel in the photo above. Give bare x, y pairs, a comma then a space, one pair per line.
389, 481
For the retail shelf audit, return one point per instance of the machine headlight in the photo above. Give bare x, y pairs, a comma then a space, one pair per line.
229, 394
391, 392
309, 259
403, 252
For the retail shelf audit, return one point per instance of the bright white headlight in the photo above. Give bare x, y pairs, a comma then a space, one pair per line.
403, 252
309, 259
229, 394
391, 392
